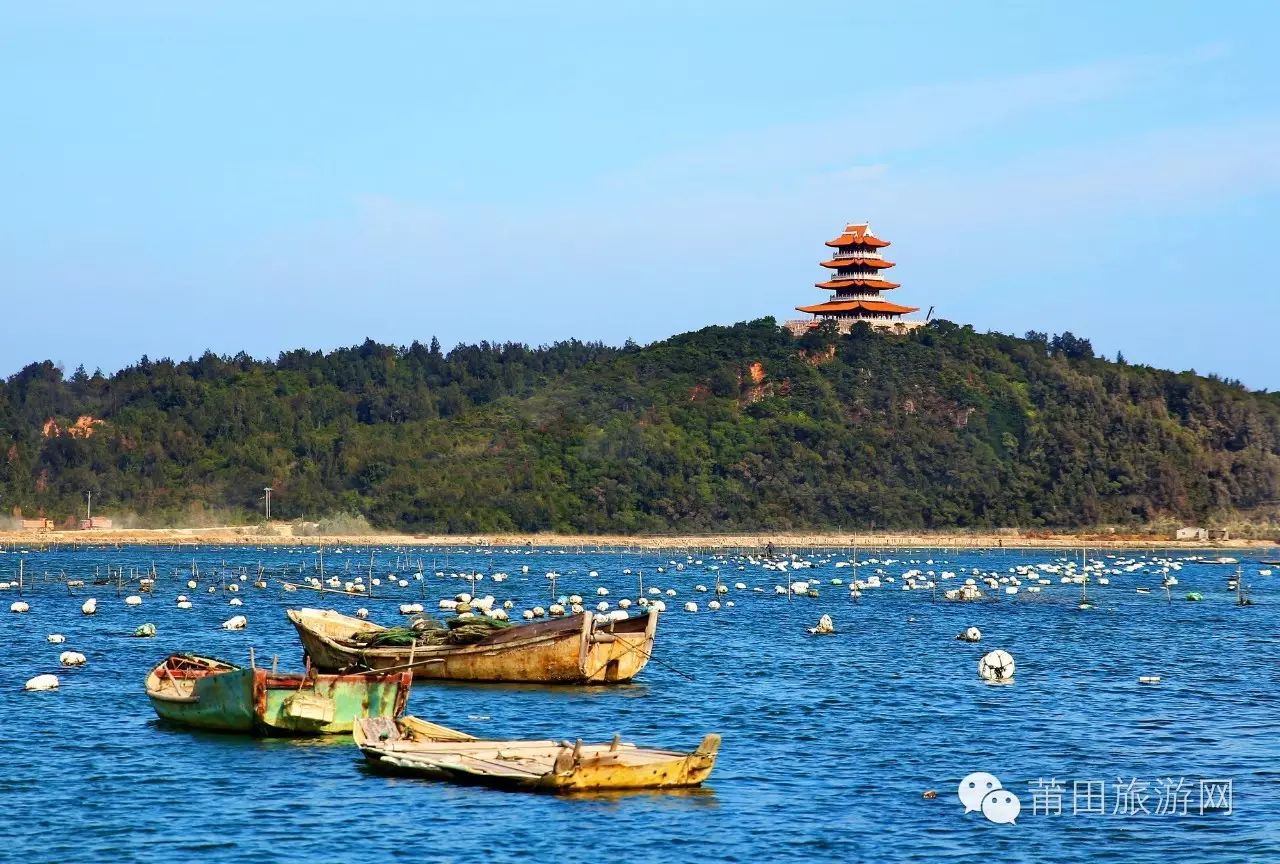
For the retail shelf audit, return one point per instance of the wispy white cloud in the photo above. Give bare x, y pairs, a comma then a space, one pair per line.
862, 127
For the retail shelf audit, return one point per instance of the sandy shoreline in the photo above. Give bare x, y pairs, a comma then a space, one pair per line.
255, 536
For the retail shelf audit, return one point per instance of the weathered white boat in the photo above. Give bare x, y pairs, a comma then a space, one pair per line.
417, 748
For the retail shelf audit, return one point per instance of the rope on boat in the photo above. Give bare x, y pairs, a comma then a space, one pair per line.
648, 655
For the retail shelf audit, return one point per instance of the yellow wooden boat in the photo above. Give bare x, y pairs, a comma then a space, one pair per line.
414, 747
578, 649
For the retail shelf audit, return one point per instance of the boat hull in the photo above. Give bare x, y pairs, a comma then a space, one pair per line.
680, 771
570, 650
256, 701
221, 703
529, 766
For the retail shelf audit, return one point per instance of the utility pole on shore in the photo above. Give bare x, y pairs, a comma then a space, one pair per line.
267, 490
88, 508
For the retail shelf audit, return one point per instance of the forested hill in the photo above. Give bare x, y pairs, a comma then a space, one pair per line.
742, 427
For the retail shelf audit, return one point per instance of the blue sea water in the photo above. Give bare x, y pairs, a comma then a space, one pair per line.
829, 742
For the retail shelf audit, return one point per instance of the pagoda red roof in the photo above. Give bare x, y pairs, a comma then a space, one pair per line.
857, 305
858, 235
876, 263
843, 282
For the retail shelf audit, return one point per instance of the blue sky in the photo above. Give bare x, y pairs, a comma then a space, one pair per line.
241, 178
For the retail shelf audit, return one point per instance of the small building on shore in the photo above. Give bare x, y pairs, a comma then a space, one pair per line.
1191, 533
856, 283
1219, 534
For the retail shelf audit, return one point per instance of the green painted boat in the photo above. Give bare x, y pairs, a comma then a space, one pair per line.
205, 693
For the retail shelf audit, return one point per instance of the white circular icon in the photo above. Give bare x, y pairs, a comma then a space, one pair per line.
1001, 806
974, 787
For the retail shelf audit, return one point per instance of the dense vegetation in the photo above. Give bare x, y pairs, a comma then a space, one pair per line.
728, 428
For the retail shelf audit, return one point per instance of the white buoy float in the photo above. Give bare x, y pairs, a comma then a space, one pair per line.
145, 631
236, 622
72, 658
691, 606
825, 627
235, 601
19, 607
42, 682
996, 667
970, 634
90, 606
56, 638
362, 613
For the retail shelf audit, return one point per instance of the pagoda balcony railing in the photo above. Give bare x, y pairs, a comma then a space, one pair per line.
857, 254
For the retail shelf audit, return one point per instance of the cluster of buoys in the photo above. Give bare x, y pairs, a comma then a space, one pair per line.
798, 577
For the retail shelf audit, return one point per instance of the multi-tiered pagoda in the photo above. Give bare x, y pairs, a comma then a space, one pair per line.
857, 283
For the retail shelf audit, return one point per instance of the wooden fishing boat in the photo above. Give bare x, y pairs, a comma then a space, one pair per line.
414, 747
578, 649
211, 694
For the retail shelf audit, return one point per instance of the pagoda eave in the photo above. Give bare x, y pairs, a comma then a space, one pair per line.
834, 307
875, 263
879, 284
850, 241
